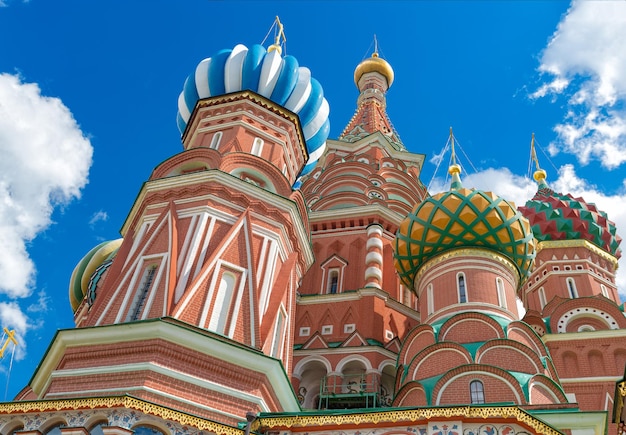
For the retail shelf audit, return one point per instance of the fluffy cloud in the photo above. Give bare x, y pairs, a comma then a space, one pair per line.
585, 60
45, 163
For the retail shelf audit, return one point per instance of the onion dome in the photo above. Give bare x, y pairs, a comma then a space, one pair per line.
267, 73
462, 218
554, 216
86, 267
374, 64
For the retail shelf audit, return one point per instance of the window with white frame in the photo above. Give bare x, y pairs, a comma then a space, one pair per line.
141, 296
279, 333
604, 291
305, 331
461, 287
477, 392
501, 294
571, 288
215, 140
222, 304
542, 297
333, 281
430, 302
349, 328
327, 329
257, 146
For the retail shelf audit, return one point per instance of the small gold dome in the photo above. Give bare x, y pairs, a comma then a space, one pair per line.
374, 64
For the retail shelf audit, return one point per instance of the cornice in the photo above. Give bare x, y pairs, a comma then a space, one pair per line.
578, 243
586, 335
318, 299
405, 415
125, 402
173, 331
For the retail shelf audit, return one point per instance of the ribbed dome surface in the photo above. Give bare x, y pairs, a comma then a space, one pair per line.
462, 218
277, 78
86, 267
374, 64
555, 216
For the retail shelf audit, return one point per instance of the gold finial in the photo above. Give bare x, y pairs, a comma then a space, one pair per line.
455, 169
280, 34
539, 175
10, 335
375, 54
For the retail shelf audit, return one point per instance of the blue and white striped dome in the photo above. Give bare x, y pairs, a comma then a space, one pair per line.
269, 74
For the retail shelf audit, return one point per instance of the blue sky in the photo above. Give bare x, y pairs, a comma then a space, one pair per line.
88, 98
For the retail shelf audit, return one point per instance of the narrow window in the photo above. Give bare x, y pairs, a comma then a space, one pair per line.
142, 293
430, 301
221, 307
571, 288
501, 295
542, 297
477, 392
257, 146
215, 140
604, 291
460, 281
277, 341
333, 281
407, 297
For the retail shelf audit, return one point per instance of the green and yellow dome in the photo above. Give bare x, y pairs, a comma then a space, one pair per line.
462, 218
86, 267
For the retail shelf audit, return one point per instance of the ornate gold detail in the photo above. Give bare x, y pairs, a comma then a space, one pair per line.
126, 402
578, 244
622, 388
411, 415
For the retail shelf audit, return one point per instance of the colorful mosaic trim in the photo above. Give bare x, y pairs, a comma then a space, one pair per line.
125, 402
409, 415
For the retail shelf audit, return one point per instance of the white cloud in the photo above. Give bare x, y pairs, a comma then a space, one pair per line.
585, 58
99, 216
45, 163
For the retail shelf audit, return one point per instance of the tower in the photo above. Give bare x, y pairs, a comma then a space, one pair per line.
194, 307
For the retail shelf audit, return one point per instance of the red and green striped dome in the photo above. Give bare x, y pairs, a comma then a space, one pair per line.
462, 218
554, 216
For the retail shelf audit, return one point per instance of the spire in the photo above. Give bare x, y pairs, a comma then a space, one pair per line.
373, 77
455, 169
539, 175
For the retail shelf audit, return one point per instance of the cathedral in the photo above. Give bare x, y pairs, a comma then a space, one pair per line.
271, 280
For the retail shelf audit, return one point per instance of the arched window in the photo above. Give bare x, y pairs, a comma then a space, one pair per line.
430, 301
462, 289
501, 294
215, 140
477, 392
604, 291
542, 297
257, 146
333, 281
571, 288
